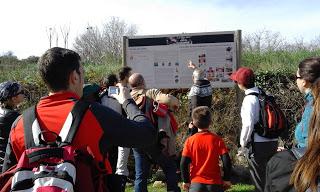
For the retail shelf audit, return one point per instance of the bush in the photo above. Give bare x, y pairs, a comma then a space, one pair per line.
226, 113
226, 107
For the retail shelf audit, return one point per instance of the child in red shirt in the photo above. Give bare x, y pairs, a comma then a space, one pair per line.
202, 151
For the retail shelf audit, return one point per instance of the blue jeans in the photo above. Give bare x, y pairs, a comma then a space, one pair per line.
142, 168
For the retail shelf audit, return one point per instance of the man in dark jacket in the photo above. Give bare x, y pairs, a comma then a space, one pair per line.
100, 127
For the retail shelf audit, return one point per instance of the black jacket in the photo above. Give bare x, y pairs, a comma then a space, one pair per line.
7, 117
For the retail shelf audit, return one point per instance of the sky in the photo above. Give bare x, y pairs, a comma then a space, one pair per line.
25, 23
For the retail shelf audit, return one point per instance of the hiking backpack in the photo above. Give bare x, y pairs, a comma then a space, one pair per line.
280, 168
272, 121
161, 117
56, 166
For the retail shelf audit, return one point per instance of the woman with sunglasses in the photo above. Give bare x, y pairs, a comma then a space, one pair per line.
304, 172
307, 169
304, 83
11, 95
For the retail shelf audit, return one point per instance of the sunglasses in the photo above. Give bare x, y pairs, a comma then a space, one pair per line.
298, 77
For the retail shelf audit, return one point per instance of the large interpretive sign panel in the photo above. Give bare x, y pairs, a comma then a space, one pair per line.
163, 59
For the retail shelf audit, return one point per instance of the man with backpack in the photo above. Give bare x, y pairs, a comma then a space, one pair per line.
163, 152
261, 148
57, 119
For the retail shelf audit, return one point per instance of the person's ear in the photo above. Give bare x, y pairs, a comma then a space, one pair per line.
74, 77
305, 83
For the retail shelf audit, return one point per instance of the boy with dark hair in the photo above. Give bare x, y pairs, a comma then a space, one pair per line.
202, 151
261, 148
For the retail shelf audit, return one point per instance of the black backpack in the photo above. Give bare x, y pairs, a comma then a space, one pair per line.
272, 121
280, 168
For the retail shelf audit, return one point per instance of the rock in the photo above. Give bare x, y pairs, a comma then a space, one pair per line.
158, 184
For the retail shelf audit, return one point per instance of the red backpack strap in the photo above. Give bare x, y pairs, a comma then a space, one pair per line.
29, 117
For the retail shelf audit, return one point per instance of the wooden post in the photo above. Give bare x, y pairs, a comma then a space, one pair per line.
238, 64
124, 49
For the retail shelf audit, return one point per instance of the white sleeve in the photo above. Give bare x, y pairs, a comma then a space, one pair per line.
247, 117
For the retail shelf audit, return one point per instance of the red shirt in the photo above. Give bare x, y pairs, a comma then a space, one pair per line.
100, 128
52, 112
204, 149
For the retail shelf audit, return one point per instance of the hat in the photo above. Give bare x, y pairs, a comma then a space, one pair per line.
243, 75
8, 89
90, 89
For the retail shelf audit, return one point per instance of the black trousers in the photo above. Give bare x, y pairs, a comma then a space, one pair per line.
200, 187
258, 157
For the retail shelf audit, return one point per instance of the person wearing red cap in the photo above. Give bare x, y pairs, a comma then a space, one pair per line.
261, 149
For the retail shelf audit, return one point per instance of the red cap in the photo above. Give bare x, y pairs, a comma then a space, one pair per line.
242, 75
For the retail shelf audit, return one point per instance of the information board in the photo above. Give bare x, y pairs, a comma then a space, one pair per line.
163, 59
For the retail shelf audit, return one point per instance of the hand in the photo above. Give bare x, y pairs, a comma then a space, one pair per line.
190, 126
191, 65
175, 104
226, 185
124, 94
281, 149
242, 151
185, 186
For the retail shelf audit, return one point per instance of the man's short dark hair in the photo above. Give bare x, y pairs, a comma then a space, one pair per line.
201, 117
110, 80
56, 65
124, 72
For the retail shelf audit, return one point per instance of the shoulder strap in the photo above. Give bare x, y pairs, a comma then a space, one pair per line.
77, 113
298, 152
148, 109
29, 116
254, 93
261, 93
